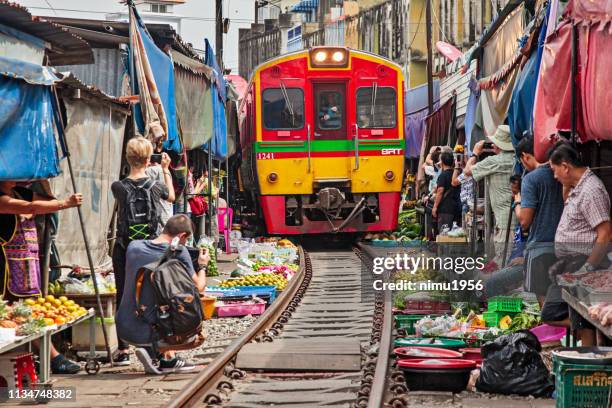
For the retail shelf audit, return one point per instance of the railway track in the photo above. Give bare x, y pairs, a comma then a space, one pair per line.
325, 341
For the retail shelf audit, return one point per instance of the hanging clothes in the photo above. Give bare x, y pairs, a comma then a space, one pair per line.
520, 112
498, 54
154, 70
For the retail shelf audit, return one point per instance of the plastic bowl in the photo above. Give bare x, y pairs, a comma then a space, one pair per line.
546, 333
412, 353
430, 342
450, 375
472, 354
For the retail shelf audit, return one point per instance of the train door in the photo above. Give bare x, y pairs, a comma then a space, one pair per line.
330, 129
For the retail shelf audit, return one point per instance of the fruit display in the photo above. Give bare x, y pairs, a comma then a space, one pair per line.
262, 279
55, 311
285, 243
82, 285
30, 316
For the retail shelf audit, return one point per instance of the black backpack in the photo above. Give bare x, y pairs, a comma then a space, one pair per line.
178, 308
142, 216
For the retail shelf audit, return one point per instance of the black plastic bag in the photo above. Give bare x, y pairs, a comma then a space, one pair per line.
512, 365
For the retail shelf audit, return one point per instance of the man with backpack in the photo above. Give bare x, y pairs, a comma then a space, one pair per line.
139, 200
161, 302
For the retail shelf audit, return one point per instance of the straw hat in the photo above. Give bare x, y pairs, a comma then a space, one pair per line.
502, 138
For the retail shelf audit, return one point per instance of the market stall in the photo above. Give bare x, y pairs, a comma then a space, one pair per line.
33, 319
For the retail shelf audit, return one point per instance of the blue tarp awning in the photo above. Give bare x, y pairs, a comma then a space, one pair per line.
27, 128
305, 6
218, 142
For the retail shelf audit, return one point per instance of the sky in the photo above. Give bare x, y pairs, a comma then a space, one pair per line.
199, 21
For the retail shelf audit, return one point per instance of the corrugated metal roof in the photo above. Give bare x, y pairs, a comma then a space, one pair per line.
106, 74
458, 82
65, 47
71, 82
109, 32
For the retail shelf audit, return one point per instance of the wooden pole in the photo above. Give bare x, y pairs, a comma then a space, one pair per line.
219, 33
430, 96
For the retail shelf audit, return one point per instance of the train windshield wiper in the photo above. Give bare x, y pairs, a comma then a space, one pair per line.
288, 103
373, 109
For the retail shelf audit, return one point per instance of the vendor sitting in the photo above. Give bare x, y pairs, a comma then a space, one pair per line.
136, 330
512, 276
20, 273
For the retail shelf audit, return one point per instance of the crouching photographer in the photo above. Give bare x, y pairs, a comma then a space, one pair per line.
160, 311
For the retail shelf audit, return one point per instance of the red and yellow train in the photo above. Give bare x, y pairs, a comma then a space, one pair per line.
322, 141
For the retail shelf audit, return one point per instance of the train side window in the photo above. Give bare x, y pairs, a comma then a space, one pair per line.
283, 109
376, 107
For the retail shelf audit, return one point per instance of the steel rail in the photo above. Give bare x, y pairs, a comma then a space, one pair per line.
206, 381
379, 385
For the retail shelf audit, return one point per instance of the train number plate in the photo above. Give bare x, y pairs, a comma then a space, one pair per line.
265, 156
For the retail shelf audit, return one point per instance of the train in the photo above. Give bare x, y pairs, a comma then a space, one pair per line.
322, 142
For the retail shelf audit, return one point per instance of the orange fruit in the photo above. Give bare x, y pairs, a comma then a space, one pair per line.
60, 320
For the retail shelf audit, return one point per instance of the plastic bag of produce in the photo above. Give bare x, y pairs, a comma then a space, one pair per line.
512, 365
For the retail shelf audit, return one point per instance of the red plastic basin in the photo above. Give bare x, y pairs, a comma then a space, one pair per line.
415, 352
437, 364
472, 354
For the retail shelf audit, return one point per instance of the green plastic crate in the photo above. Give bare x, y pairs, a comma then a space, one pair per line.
505, 304
583, 386
492, 318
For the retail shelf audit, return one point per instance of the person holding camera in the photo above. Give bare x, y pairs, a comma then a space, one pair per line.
139, 199
447, 205
497, 169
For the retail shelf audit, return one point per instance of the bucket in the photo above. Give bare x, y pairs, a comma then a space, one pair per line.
208, 306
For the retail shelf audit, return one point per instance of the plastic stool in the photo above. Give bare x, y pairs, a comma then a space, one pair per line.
17, 370
225, 229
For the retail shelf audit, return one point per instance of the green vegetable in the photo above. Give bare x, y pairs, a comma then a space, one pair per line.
212, 269
524, 321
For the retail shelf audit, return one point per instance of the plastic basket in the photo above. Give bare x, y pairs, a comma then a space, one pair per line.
492, 318
505, 304
407, 322
583, 386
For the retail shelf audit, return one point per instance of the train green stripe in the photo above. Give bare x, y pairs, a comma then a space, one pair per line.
327, 145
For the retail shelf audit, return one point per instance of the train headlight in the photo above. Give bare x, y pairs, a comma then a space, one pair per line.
389, 175
320, 56
329, 57
338, 56
272, 178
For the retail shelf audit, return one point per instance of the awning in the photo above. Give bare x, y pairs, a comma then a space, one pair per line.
305, 6
27, 125
63, 47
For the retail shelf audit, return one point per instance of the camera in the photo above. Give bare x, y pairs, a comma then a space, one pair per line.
156, 158
459, 163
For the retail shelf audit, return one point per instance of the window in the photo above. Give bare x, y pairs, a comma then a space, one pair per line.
159, 8
330, 112
283, 108
376, 107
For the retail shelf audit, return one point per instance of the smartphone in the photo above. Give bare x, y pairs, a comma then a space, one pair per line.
487, 145
156, 158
